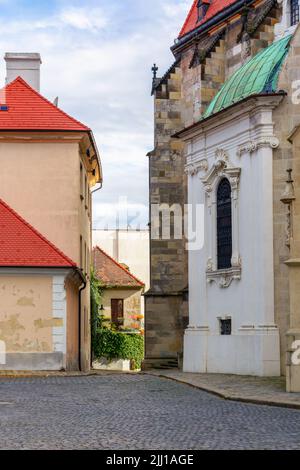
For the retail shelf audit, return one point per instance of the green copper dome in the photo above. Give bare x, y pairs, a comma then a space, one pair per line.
259, 75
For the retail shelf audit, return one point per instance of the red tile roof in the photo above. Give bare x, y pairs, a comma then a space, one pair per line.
216, 6
22, 245
28, 110
111, 273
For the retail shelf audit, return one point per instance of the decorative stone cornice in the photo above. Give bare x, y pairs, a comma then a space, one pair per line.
193, 169
196, 329
254, 145
224, 277
221, 168
293, 263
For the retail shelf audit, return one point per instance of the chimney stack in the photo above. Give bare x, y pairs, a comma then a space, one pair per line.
24, 65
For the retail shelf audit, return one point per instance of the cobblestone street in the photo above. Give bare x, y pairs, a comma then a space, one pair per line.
131, 412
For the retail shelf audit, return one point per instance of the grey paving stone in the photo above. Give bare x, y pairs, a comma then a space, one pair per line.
135, 412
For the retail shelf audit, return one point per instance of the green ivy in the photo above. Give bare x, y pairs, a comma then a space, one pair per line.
115, 345
96, 297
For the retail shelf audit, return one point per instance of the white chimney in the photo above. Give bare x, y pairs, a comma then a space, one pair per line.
25, 65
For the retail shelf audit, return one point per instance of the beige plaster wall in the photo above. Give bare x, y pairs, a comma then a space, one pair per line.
26, 319
40, 179
72, 325
132, 303
41, 182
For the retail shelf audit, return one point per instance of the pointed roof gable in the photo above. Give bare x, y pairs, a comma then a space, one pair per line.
111, 273
23, 246
25, 109
191, 22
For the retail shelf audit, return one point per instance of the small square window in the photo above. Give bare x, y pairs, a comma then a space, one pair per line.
226, 327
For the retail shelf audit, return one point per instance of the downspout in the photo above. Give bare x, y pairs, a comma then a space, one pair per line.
97, 188
84, 284
93, 191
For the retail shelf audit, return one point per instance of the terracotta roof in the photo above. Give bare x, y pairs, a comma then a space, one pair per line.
215, 7
111, 273
22, 245
28, 110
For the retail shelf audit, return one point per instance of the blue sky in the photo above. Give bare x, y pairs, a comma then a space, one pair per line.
97, 57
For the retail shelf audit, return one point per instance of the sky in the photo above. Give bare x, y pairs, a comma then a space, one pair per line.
97, 57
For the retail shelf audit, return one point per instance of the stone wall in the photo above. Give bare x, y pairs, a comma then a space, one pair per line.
284, 158
168, 274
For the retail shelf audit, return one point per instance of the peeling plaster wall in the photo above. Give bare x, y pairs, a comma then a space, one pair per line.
132, 303
72, 323
33, 321
26, 314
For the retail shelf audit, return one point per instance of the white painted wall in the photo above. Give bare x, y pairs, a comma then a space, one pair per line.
244, 139
24, 65
130, 247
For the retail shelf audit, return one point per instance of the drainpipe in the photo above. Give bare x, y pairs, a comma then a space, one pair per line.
84, 283
97, 188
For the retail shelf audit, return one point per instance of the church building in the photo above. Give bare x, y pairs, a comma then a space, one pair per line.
237, 77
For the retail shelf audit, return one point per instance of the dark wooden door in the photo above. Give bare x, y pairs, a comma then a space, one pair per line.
117, 311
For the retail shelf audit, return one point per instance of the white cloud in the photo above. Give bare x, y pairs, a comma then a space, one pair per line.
98, 59
172, 10
83, 18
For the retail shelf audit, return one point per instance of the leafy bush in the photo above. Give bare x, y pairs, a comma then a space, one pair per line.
115, 345
96, 297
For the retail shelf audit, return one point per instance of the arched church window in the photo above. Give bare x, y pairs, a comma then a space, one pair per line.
294, 12
224, 225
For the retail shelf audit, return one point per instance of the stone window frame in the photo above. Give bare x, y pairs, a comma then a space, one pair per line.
293, 12
222, 168
285, 27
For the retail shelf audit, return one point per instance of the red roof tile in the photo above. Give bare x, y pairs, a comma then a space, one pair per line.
111, 273
28, 110
22, 245
216, 6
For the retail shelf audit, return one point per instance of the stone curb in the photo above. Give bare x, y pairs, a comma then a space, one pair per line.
230, 396
45, 375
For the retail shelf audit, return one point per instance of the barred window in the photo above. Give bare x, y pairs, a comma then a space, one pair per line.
294, 12
224, 225
226, 327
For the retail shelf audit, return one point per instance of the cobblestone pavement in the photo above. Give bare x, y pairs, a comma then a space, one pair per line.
264, 390
135, 412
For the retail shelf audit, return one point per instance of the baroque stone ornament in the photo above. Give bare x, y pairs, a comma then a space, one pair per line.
193, 169
253, 146
246, 47
225, 277
222, 155
210, 265
222, 168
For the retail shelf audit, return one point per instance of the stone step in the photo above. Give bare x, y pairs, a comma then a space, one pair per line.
160, 364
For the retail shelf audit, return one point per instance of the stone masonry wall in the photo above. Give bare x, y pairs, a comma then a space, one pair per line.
283, 160
163, 317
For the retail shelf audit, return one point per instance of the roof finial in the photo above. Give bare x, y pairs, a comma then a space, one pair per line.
154, 70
